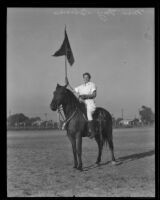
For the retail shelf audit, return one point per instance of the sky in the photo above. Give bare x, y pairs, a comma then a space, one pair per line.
116, 46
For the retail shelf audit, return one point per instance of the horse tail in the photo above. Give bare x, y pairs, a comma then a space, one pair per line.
105, 128
103, 139
108, 137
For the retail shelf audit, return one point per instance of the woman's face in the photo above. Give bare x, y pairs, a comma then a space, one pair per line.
86, 78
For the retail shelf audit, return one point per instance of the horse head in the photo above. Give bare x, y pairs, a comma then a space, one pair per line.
58, 97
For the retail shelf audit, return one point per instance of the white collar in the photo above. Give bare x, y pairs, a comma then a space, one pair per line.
86, 83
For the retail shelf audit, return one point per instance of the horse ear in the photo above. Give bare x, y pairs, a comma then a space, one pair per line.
58, 85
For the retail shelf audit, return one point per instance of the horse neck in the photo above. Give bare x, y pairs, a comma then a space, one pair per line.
69, 106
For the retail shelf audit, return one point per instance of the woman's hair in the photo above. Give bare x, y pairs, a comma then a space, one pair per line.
88, 74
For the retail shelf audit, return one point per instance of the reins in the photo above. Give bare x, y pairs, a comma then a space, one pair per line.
65, 121
60, 109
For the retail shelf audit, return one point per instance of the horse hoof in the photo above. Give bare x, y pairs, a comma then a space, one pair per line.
97, 162
74, 167
114, 162
80, 168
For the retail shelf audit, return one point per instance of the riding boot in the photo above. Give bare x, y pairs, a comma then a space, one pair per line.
91, 129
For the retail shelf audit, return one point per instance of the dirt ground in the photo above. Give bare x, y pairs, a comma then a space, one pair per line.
40, 164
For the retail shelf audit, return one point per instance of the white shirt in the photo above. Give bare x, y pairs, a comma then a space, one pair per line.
87, 89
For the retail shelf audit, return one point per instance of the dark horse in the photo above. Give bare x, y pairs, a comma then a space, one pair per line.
75, 113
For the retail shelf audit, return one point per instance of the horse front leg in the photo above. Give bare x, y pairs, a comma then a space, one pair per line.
79, 151
74, 154
73, 142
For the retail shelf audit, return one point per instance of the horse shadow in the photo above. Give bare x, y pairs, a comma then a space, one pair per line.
136, 156
122, 160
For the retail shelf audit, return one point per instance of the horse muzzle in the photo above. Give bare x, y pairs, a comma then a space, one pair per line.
53, 107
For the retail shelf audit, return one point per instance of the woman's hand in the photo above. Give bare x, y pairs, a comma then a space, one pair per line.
83, 96
80, 99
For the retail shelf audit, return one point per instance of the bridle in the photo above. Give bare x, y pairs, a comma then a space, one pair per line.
60, 110
67, 120
64, 120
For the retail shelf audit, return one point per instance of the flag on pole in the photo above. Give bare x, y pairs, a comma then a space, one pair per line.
66, 50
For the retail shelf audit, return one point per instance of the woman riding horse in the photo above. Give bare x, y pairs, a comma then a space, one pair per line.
87, 93
75, 113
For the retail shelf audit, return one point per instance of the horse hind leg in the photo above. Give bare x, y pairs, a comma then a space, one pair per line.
111, 147
100, 147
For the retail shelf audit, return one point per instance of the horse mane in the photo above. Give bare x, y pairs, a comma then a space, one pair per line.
72, 98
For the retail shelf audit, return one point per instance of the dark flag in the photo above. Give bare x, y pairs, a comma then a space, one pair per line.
66, 50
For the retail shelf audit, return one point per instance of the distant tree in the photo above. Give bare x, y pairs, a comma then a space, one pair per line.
35, 119
44, 124
113, 121
118, 120
56, 125
135, 122
147, 115
50, 124
31, 120
16, 119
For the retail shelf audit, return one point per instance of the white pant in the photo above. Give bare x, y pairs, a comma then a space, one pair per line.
91, 107
90, 111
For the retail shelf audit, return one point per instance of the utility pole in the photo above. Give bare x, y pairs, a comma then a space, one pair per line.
122, 112
45, 116
139, 113
46, 119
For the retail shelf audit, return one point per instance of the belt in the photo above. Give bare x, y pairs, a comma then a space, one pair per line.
90, 98
84, 98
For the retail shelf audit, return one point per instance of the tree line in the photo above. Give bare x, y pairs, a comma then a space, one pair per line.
147, 117
21, 120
